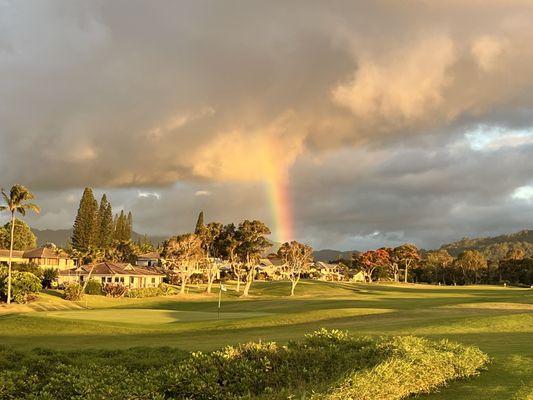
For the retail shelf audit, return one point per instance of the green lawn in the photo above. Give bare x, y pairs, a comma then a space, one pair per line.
496, 319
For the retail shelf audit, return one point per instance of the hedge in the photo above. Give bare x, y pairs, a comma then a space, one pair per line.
339, 365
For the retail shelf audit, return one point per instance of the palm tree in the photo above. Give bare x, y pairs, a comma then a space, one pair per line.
16, 202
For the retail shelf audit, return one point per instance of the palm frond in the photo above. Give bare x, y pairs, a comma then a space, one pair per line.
32, 206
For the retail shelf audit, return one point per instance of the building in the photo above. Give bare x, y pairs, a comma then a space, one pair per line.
18, 257
113, 273
150, 259
49, 257
44, 257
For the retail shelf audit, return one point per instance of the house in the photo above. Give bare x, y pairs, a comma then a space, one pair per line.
358, 276
327, 272
49, 257
150, 259
44, 257
113, 273
18, 257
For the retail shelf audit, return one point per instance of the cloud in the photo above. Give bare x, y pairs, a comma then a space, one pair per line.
361, 106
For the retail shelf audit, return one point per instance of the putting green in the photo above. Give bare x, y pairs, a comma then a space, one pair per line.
147, 316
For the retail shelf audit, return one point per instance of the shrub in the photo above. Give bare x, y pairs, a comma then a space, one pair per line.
28, 267
73, 291
49, 277
145, 292
93, 287
24, 285
414, 366
114, 290
364, 368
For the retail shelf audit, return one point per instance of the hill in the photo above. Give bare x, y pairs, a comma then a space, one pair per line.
61, 237
330, 255
493, 247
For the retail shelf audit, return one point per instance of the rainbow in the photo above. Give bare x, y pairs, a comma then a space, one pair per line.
281, 208
279, 198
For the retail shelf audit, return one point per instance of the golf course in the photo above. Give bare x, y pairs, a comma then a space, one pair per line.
497, 320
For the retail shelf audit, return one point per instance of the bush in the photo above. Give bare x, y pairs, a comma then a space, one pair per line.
49, 277
161, 290
73, 291
364, 368
24, 285
414, 366
28, 267
114, 290
93, 287
145, 292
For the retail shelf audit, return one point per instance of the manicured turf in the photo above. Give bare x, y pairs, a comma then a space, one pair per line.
496, 319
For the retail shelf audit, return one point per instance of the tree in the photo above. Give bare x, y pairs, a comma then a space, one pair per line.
471, 264
105, 224
440, 261
229, 245
23, 238
182, 254
406, 255
199, 223
369, 261
16, 202
85, 229
252, 240
123, 226
125, 251
297, 257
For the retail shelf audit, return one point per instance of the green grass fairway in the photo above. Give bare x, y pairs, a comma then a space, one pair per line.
498, 320
145, 316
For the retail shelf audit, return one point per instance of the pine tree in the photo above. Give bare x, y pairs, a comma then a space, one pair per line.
129, 226
105, 224
200, 224
85, 229
120, 226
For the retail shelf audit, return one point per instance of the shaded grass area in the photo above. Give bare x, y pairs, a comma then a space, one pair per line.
497, 320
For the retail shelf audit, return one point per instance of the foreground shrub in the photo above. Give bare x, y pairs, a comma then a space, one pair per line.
24, 285
357, 368
73, 291
415, 366
93, 287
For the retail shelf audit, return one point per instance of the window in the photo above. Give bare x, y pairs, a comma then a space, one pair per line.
153, 280
117, 279
122, 279
132, 280
103, 279
109, 279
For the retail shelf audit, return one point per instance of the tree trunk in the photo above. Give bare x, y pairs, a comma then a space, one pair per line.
293, 286
183, 284
10, 257
210, 279
249, 279
406, 271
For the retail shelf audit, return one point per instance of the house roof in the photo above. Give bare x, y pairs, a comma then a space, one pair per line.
45, 252
150, 255
16, 253
110, 268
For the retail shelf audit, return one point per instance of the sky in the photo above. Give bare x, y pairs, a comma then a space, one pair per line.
343, 124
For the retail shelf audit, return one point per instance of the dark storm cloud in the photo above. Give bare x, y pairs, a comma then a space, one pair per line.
181, 98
